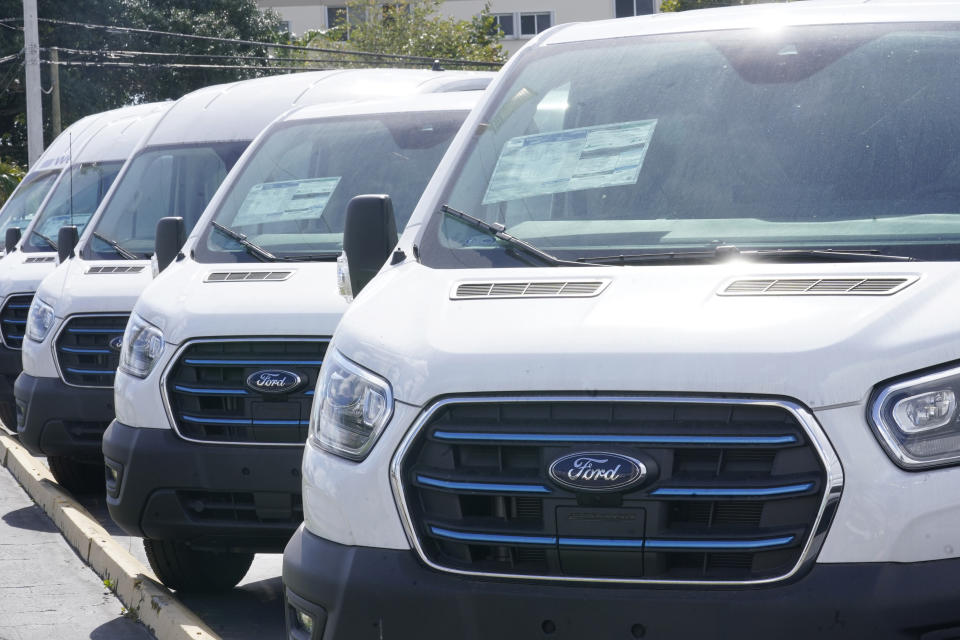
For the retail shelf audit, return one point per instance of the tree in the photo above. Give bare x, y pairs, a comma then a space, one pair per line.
101, 84
414, 28
684, 5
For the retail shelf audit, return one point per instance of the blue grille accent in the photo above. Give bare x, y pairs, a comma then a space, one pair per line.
494, 538
494, 487
601, 542
13, 318
725, 545
83, 349
733, 491
615, 439
210, 401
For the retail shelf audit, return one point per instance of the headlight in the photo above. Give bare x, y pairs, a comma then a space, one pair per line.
142, 345
39, 320
350, 409
917, 420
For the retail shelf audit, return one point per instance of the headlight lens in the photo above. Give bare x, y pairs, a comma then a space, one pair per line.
917, 420
40, 319
350, 409
142, 345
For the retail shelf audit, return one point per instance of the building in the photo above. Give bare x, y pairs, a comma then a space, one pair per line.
520, 20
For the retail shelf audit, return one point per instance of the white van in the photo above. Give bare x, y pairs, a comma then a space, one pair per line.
203, 459
76, 321
95, 159
672, 352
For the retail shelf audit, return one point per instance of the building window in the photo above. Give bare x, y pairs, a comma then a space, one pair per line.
285, 26
336, 16
505, 22
533, 23
627, 8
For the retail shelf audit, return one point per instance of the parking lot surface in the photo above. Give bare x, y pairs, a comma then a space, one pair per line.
46, 591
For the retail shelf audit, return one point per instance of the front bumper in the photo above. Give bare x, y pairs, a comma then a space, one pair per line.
56, 419
362, 592
219, 497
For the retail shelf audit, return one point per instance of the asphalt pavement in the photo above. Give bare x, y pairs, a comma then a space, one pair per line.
46, 590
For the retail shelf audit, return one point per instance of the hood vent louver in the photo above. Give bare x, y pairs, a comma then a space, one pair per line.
866, 285
552, 289
39, 259
117, 269
247, 276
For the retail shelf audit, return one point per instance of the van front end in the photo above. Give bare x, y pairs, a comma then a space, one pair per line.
597, 462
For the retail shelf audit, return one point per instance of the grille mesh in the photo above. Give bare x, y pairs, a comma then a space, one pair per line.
104, 269
736, 496
248, 276
817, 286
209, 400
87, 351
13, 319
562, 289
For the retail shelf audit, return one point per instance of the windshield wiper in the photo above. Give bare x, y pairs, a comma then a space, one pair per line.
498, 231
47, 239
255, 250
729, 251
311, 257
129, 255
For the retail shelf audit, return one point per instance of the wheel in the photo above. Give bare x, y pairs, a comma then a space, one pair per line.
8, 416
185, 569
77, 476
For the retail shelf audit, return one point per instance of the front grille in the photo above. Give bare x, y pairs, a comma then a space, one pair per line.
737, 489
210, 401
88, 349
13, 319
260, 508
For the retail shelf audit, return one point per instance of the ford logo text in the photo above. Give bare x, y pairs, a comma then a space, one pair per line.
273, 381
597, 471
116, 344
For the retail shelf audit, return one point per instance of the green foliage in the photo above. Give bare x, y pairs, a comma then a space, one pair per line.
684, 5
90, 89
414, 28
10, 176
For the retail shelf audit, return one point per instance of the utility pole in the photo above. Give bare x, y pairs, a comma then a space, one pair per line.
31, 47
55, 90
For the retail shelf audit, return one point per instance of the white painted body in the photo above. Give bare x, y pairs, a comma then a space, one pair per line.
232, 112
106, 137
659, 329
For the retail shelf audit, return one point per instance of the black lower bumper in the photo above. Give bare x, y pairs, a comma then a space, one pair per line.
11, 364
218, 497
55, 419
361, 592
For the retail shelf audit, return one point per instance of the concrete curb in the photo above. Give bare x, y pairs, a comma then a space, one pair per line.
134, 584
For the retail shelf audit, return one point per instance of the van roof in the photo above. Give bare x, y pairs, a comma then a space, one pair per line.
240, 110
454, 101
116, 133
810, 12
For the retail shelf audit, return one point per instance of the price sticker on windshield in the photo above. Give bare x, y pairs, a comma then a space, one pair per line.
287, 200
572, 160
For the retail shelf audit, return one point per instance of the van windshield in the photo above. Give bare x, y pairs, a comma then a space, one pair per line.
160, 182
839, 137
291, 197
74, 199
21, 207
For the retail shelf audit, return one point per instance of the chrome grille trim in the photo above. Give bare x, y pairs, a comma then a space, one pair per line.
529, 289
845, 286
833, 482
65, 326
247, 276
171, 364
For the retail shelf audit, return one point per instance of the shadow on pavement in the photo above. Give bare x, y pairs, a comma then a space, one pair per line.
252, 610
121, 629
31, 518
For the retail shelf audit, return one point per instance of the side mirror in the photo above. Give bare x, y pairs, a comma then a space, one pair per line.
66, 240
370, 233
171, 234
13, 237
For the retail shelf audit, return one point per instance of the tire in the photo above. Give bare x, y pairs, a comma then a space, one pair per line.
77, 476
184, 569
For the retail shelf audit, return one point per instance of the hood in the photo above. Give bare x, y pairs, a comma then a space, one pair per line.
22, 272
654, 329
95, 286
193, 300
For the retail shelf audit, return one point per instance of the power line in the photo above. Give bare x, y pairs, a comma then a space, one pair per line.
173, 65
235, 41
124, 53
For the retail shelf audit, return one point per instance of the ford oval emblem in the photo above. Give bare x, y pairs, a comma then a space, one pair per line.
597, 471
273, 381
116, 344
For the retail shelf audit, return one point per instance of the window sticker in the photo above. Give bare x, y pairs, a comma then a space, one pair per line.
287, 200
606, 155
